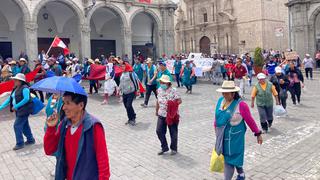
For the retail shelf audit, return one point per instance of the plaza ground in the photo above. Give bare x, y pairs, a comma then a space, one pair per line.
290, 151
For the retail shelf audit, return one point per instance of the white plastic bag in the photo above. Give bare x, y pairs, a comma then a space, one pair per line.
279, 111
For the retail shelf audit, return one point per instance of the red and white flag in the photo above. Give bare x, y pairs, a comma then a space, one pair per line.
57, 42
145, 1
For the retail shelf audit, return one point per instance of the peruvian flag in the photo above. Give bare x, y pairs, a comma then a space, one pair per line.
57, 42
145, 1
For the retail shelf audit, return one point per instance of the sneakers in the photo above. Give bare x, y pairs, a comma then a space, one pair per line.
162, 152
173, 152
241, 177
18, 147
29, 143
132, 123
144, 105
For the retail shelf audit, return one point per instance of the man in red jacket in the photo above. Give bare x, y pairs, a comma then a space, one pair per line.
79, 142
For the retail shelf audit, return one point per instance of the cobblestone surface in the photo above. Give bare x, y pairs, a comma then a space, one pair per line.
290, 151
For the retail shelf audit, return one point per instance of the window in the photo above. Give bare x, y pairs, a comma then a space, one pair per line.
205, 17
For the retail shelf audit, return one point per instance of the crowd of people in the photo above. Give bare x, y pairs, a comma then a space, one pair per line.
70, 129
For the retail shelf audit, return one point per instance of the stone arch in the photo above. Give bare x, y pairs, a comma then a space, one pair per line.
149, 12
313, 44
204, 45
73, 6
24, 8
113, 8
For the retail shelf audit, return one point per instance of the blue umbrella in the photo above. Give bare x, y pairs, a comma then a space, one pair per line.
59, 85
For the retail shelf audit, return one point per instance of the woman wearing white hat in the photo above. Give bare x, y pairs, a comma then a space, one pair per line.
262, 92
21, 104
24, 69
232, 115
167, 111
281, 82
308, 64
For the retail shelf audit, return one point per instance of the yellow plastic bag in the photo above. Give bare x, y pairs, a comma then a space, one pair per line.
217, 162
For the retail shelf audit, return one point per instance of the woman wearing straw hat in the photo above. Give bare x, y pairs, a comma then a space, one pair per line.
231, 117
167, 112
5, 71
21, 104
14, 67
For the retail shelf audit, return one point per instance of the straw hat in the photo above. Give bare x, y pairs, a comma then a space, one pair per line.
23, 59
97, 61
228, 86
91, 61
261, 76
12, 62
165, 79
149, 60
20, 77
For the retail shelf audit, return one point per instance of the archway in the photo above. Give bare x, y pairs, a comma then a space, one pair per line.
106, 32
205, 46
12, 33
145, 38
62, 19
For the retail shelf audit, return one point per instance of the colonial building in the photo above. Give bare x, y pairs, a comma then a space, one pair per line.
304, 21
231, 26
89, 27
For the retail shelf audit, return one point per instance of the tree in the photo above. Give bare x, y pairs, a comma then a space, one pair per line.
258, 58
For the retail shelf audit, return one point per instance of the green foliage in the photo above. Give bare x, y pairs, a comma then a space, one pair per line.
258, 57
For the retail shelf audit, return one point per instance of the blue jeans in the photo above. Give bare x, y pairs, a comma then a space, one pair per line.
178, 79
21, 126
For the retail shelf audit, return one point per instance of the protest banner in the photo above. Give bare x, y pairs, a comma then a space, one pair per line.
291, 55
202, 65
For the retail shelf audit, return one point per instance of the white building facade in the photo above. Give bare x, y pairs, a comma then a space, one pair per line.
89, 27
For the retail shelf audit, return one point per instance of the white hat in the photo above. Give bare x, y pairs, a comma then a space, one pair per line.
165, 78
149, 60
20, 77
308, 55
278, 69
12, 62
261, 76
57, 62
228, 86
68, 62
23, 59
75, 59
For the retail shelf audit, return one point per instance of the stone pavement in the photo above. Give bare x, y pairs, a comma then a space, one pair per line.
290, 151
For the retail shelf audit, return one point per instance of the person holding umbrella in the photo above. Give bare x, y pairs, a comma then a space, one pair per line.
20, 103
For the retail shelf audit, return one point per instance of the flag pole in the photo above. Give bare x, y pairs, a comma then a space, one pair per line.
50, 46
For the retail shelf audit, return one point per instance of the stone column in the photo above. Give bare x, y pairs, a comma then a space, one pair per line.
167, 13
85, 41
127, 42
31, 39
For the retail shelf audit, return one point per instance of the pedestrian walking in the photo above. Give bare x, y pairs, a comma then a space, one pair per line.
79, 142
150, 81
271, 65
281, 83
6, 71
239, 73
296, 82
177, 69
249, 63
167, 112
262, 92
39, 76
128, 88
232, 114
23, 66
20, 103
187, 73
92, 83
138, 69
163, 70
308, 64
110, 88
318, 59
14, 67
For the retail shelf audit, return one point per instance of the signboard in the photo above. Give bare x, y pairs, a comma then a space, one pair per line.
202, 65
279, 31
291, 55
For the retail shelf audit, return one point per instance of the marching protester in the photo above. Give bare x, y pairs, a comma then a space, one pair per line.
281, 83
318, 59
271, 65
79, 141
187, 73
128, 88
177, 69
163, 70
150, 81
110, 88
138, 69
39, 76
21, 104
14, 67
296, 81
23, 55
308, 64
54, 67
167, 112
23, 66
239, 73
262, 92
6, 71
42, 57
92, 83
229, 66
249, 63
76, 67
232, 114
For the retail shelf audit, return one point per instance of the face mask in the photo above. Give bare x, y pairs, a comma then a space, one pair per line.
164, 86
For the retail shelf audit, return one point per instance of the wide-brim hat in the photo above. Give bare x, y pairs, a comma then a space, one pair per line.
20, 77
91, 61
75, 59
149, 60
165, 79
228, 86
12, 62
261, 76
97, 61
23, 59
